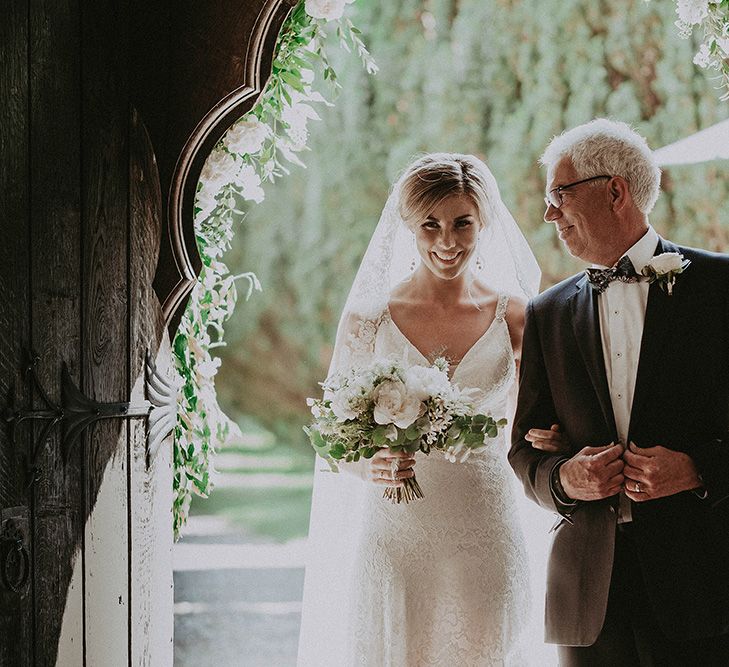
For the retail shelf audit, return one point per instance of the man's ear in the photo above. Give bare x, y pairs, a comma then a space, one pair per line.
619, 192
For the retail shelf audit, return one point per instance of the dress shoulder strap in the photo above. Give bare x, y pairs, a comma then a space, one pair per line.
501, 306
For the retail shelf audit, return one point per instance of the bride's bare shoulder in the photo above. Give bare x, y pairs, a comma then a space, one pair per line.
403, 300
515, 312
486, 295
516, 307
483, 295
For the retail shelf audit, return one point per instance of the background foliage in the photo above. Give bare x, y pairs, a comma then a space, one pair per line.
497, 79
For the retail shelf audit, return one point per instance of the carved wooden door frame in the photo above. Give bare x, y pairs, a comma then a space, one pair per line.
182, 159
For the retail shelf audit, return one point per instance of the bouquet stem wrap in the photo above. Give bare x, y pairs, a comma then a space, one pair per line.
404, 494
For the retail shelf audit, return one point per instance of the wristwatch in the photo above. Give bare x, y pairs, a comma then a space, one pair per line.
557, 488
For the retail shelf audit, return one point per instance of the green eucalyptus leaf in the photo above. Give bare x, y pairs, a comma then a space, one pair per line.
378, 436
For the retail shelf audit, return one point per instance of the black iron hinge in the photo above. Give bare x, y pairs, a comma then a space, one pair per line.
77, 412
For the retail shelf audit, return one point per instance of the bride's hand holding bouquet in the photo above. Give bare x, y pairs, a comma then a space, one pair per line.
388, 468
402, 408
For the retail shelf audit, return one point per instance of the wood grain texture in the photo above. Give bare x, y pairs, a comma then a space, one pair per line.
104, 208
151, 604
55, 316
14, 225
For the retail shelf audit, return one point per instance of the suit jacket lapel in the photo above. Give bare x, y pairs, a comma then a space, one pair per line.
656, 332
586, 324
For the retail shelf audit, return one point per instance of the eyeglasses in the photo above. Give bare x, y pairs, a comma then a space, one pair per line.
554, 196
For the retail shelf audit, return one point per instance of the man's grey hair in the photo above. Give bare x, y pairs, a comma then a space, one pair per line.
609, 147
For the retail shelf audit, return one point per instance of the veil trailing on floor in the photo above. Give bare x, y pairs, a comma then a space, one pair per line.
504, 262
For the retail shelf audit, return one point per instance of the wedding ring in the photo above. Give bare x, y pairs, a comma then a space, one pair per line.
637, 487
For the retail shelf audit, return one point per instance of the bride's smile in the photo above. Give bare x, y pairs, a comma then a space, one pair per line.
447, 238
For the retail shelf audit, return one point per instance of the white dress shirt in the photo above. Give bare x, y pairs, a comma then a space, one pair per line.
622, 315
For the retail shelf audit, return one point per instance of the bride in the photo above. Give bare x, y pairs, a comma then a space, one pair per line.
442, 580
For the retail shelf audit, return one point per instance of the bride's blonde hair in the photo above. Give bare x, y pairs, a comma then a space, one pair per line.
433, 177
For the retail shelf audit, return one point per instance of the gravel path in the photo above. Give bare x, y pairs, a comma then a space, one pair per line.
237, 617
243, 611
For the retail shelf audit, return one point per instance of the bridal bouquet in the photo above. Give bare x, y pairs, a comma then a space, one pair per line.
406, 408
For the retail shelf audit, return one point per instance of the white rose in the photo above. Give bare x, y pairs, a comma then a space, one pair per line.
218, 170
331, 10
423, 382
394, 405
341, 406
246, 137
666, 262
692, 12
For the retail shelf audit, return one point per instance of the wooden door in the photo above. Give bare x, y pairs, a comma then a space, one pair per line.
107, 112
85, 521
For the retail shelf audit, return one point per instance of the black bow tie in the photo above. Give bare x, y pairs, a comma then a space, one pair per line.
623, 271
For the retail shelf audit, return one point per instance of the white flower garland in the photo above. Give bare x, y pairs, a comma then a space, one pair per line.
250, 154
712, 18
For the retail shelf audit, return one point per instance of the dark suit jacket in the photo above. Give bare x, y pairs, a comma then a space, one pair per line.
681, 401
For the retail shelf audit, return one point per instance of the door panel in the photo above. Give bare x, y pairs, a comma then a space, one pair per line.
16, 618
105, 322
55, 186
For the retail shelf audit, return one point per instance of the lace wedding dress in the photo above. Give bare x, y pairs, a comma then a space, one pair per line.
444, 580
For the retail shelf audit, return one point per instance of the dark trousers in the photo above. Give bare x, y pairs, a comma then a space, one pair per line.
631, 636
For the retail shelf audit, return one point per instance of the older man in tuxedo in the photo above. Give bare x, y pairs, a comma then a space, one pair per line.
631, 358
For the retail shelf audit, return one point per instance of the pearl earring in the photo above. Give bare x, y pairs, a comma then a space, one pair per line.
412, 265
479, 263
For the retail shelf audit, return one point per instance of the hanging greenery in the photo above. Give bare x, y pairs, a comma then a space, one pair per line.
710, 18
254, 151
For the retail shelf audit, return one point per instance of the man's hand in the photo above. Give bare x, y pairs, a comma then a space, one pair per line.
593, 473
552, 440
656, 472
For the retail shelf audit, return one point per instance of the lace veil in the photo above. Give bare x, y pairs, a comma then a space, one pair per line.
504, 261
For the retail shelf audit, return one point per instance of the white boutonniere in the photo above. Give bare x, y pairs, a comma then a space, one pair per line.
664, 268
